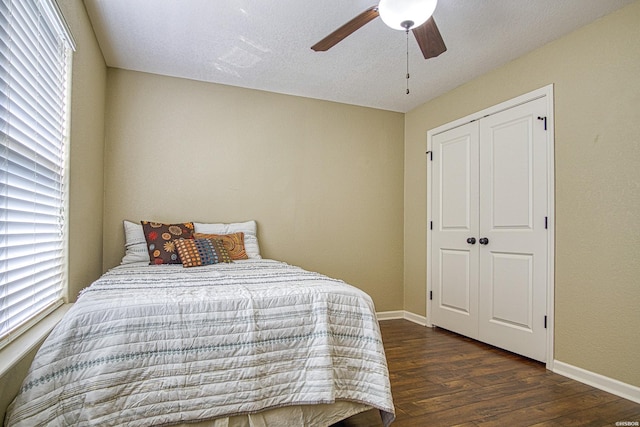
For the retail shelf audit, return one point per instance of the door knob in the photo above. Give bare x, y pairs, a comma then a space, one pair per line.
483, 241
471, 240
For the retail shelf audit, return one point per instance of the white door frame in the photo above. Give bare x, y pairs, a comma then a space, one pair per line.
546, 91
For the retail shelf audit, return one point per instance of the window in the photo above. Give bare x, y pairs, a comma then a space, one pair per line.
35, 58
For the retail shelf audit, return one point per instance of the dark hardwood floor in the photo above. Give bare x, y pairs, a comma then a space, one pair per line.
439, 378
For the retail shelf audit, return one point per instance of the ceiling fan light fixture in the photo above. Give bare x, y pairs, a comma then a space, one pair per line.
406, 14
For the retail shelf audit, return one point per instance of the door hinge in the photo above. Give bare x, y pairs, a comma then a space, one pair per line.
545, 322
546, 222
431, 295
545, 121
430, 153
430, 225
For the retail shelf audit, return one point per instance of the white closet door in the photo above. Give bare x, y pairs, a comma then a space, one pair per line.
489, 242
513, 210
454, 189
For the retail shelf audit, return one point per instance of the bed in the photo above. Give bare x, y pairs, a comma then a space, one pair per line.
252, 342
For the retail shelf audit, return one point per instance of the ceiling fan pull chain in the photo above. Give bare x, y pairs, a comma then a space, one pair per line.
407, 32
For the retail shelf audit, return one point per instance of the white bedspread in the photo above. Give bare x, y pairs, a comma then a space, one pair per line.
158, 345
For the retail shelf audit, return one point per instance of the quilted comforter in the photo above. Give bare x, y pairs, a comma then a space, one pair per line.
160, 345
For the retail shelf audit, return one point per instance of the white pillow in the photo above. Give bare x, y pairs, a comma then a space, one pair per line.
248, 228
135, 244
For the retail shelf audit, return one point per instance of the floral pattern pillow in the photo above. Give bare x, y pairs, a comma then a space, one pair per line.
161, 240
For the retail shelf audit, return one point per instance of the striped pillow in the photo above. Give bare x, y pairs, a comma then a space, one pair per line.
234, 243
198, 252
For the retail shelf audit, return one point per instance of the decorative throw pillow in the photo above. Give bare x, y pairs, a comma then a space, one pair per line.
160, 240
197, 252
249, 228
234, 243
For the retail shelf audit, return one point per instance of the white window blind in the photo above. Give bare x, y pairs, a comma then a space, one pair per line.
35, 56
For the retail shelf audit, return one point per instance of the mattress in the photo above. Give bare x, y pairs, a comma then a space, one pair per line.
164, 345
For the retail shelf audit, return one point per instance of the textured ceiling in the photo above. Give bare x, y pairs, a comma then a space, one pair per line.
265, 44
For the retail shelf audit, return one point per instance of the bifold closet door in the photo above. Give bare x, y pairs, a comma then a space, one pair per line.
488, 238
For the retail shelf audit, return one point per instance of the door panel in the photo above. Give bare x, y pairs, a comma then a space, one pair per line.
456, 183
455, 217
511, 175
455, 268
510, 290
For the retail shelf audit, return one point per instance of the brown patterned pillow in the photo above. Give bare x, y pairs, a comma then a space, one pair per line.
160, 240
233, 242
197, 252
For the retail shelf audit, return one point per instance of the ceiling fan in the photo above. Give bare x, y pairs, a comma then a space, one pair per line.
414, 15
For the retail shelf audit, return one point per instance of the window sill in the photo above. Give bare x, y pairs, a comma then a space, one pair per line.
21, 346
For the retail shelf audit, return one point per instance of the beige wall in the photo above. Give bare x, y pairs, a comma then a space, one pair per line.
596, 77
323, 180
85, 170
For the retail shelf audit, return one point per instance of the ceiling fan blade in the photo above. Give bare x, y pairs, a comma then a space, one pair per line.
429, 39
347, 29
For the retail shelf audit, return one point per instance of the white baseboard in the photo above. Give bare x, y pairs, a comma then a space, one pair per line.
601, 382
415, 318
390, 315
401, 314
